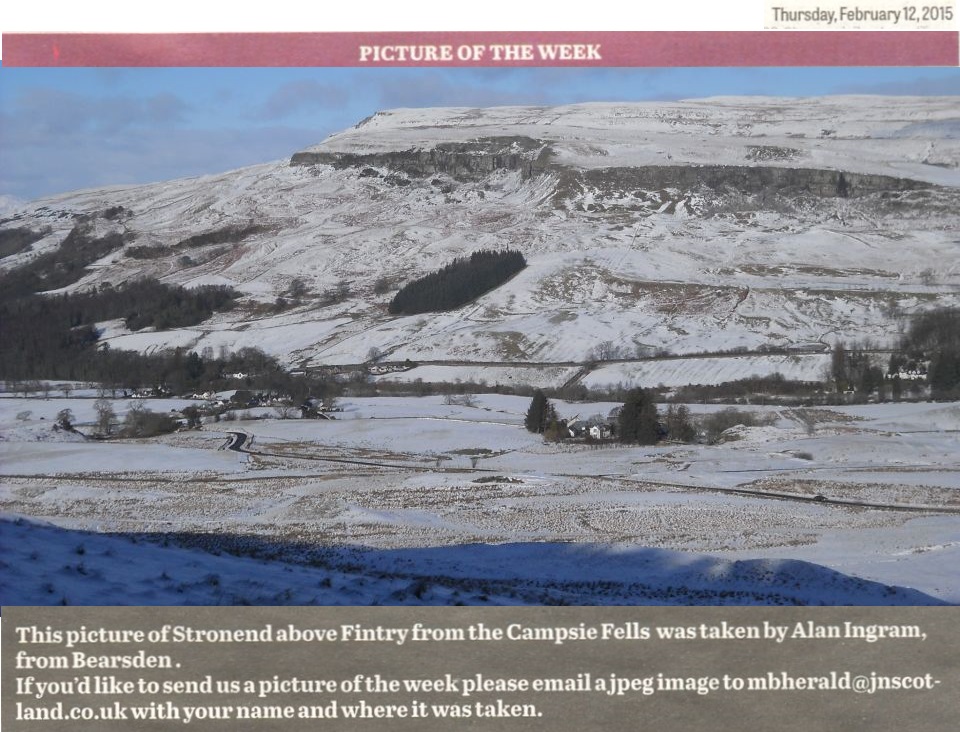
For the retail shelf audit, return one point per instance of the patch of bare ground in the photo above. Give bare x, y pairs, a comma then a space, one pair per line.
913, 469
312, 450
675, 298
892, 494
818, 416
763, 270
512, 345
691, 527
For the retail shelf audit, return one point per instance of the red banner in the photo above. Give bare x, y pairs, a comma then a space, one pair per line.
681, 48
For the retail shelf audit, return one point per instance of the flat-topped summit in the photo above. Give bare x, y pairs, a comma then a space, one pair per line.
895, 136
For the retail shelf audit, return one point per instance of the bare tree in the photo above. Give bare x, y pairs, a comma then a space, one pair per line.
135, 421
460, 400
141, 421
65, 419
608, 351
106, 417
284, 411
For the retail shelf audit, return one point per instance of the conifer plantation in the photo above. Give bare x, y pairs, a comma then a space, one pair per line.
458, 283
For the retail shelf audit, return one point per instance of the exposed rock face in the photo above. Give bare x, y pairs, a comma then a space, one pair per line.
471, 160
460, 160
748, 179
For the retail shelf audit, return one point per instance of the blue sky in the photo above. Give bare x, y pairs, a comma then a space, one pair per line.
64, 129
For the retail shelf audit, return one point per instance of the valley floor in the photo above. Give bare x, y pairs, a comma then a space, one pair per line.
413, 500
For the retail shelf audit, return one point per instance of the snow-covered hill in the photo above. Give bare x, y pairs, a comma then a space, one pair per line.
9, 204
896, 136
682, 226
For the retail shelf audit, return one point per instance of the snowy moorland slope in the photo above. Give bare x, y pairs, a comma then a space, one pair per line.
698, 226
44, 565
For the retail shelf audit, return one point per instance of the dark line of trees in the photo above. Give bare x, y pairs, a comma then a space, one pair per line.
226, 235
63, 266
934, 337
458, 283
751, 388
14, 241
232, 234
54, 336
176, 372
149, 252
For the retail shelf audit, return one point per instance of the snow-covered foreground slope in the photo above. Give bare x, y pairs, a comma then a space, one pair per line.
688, 227
45, 565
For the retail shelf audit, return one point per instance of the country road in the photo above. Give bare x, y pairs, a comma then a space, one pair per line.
239, 439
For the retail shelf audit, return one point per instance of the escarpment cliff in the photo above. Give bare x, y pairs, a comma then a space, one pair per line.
746, 179
460, 160
472, 160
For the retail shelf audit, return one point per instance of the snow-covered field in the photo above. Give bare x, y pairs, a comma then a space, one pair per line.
413, 500
540, 377
682, 371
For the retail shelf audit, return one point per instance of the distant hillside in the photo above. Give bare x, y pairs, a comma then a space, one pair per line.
710, 225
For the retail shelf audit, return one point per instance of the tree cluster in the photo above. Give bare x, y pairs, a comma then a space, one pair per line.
141, 421
54, 336
542, 419
716, 423
540, 413
638, 422
148, 252
750, 389
852, 369
678, 424
14, 241
458, 283
165, 307
63, 266
48, 336
231, 234
934, 337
